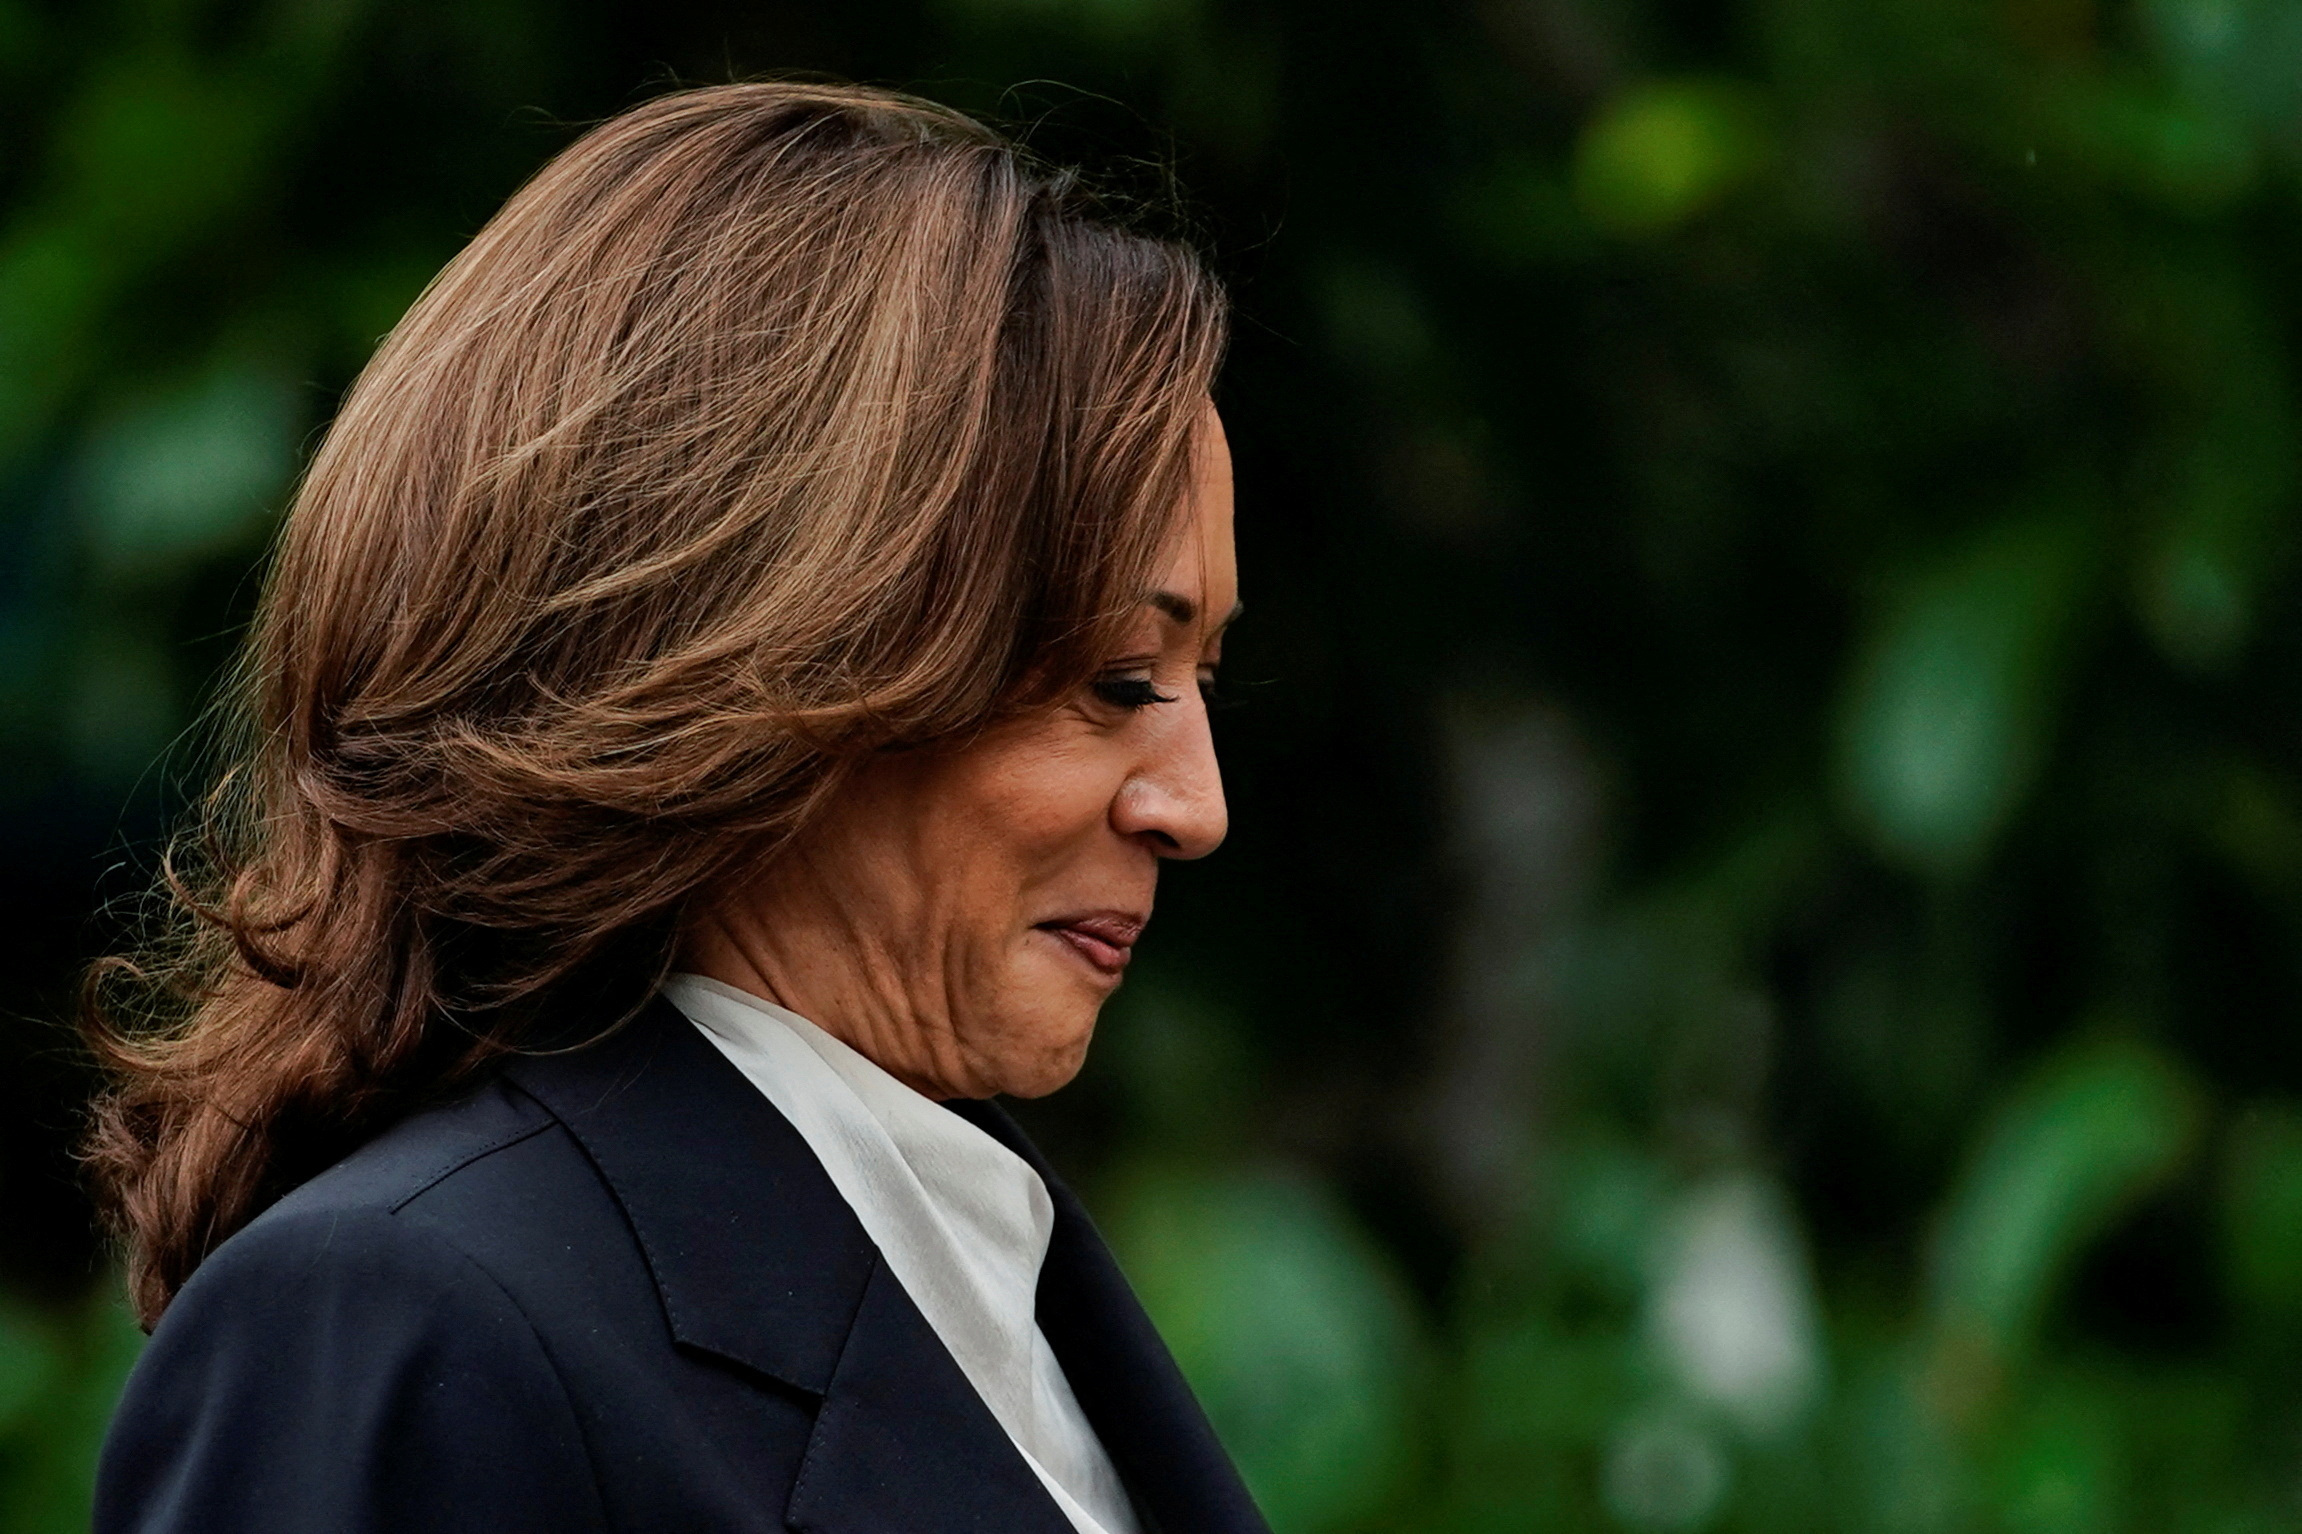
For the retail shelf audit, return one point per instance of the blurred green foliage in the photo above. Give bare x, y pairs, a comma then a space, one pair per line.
60, 1369
1755, 982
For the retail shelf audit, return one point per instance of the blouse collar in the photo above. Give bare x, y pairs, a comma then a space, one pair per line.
962, 1221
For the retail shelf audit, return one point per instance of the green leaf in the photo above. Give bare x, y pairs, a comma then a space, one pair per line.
1948, 714
188, 470
2059, 1466
30, 1361
1289, 1326
1661, 153
2061, 1159
2261, 1214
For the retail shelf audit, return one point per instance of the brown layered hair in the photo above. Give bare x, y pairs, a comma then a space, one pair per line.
768, 427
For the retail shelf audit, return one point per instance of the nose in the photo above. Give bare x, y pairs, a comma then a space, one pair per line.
1173, 801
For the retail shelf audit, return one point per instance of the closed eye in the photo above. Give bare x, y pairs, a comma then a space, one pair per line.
1129, 692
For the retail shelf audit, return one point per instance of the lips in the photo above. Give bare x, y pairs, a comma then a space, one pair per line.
1105, 939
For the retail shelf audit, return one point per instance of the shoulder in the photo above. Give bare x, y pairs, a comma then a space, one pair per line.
356, 1244
348, 1220
458, 1217
358, 1254
473, 1183
340, 1322
416, 1154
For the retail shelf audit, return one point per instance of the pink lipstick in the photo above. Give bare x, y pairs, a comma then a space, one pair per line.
1105, 939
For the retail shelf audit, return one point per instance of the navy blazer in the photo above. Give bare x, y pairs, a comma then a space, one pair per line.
615, 1290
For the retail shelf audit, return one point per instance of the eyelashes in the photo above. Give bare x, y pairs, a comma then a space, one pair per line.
1135, 693
1129, 692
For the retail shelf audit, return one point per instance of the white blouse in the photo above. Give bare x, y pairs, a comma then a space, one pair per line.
962, 1221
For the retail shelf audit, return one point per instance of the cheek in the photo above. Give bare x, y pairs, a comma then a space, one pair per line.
1029, 814
1024, 834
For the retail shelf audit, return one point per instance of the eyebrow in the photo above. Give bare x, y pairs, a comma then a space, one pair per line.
1183, 610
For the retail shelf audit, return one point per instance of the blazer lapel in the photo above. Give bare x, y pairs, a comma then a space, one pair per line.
757, 1258
1135, 1397
760, 1262
903, 1442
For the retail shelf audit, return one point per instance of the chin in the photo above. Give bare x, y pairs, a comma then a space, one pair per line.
1047, 1051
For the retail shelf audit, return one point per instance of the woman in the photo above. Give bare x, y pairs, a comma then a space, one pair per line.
721, 700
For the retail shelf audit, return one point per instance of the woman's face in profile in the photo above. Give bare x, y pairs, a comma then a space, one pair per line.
960, 916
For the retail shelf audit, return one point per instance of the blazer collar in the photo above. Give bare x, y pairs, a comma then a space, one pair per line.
760, 1262
757, 1258
1126, 1381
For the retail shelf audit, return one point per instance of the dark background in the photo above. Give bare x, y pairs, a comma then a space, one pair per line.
1754, 982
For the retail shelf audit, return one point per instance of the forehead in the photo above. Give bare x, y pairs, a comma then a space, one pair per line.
1203, 532
1201, 563
1196, 587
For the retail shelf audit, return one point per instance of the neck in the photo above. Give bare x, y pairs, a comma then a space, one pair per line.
828, 973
